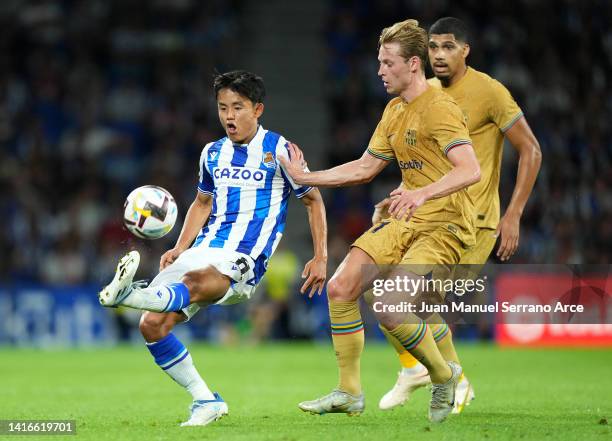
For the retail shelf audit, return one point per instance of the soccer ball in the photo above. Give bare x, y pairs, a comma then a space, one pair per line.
149, 212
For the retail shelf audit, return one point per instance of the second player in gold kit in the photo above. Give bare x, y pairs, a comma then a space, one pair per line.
490, 112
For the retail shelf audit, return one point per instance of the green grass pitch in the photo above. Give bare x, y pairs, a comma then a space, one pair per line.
119, 394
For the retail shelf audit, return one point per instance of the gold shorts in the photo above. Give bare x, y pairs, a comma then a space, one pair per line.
392, 242
474, 258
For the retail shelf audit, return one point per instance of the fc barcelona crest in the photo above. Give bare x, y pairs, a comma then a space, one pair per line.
411, 137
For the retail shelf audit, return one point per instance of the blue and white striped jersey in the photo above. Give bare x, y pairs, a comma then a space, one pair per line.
250, 194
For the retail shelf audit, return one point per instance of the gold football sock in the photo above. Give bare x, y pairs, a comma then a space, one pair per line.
406, 359
417, 339
348, 339
444, 340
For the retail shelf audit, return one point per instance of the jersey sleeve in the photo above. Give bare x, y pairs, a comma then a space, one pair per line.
380, 145
205, 182
503, 110
445, 124
283, 151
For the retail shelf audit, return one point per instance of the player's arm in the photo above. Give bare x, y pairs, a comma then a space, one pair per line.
360, 171
315, 271
196, 217
530, 158
465, 172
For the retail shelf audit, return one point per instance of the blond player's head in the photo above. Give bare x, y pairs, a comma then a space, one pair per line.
402, 53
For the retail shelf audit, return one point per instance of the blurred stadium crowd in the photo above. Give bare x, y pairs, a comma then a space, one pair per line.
555, 57
97, 97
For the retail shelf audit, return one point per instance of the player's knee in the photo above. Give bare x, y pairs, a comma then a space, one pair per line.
341, 290
388, 320
154, 325
205, 285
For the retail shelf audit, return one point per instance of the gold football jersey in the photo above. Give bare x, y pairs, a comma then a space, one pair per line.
490, 111
418, 135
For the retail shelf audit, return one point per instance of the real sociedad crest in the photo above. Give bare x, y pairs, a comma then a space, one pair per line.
268, 160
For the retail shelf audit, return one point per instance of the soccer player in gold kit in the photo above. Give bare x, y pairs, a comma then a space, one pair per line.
424, 130
492, 115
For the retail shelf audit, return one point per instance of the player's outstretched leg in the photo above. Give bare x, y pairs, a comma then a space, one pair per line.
202, 285
122, 291
174, 359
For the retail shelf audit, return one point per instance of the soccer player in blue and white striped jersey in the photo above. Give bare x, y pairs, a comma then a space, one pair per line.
230, 231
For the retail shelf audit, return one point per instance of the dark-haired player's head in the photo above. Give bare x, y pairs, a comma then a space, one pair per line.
448, 48
240, 96
402, 54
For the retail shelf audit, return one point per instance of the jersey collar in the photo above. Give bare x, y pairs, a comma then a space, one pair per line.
419, 98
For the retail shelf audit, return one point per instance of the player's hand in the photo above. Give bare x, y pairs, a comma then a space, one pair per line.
405, 202
296, 165
315, 273
169, 257
381, 210
509, 229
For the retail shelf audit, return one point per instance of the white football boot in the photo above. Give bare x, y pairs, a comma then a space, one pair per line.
335, 402
463, 395
443, 395
113, 293
405, 385
204, 412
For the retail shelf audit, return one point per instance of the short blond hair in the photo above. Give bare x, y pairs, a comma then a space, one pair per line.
411, 37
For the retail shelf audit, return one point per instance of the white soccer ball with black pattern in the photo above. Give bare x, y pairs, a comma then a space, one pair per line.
149, 212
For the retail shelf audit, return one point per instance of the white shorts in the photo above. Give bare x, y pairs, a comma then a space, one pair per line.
237, 266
